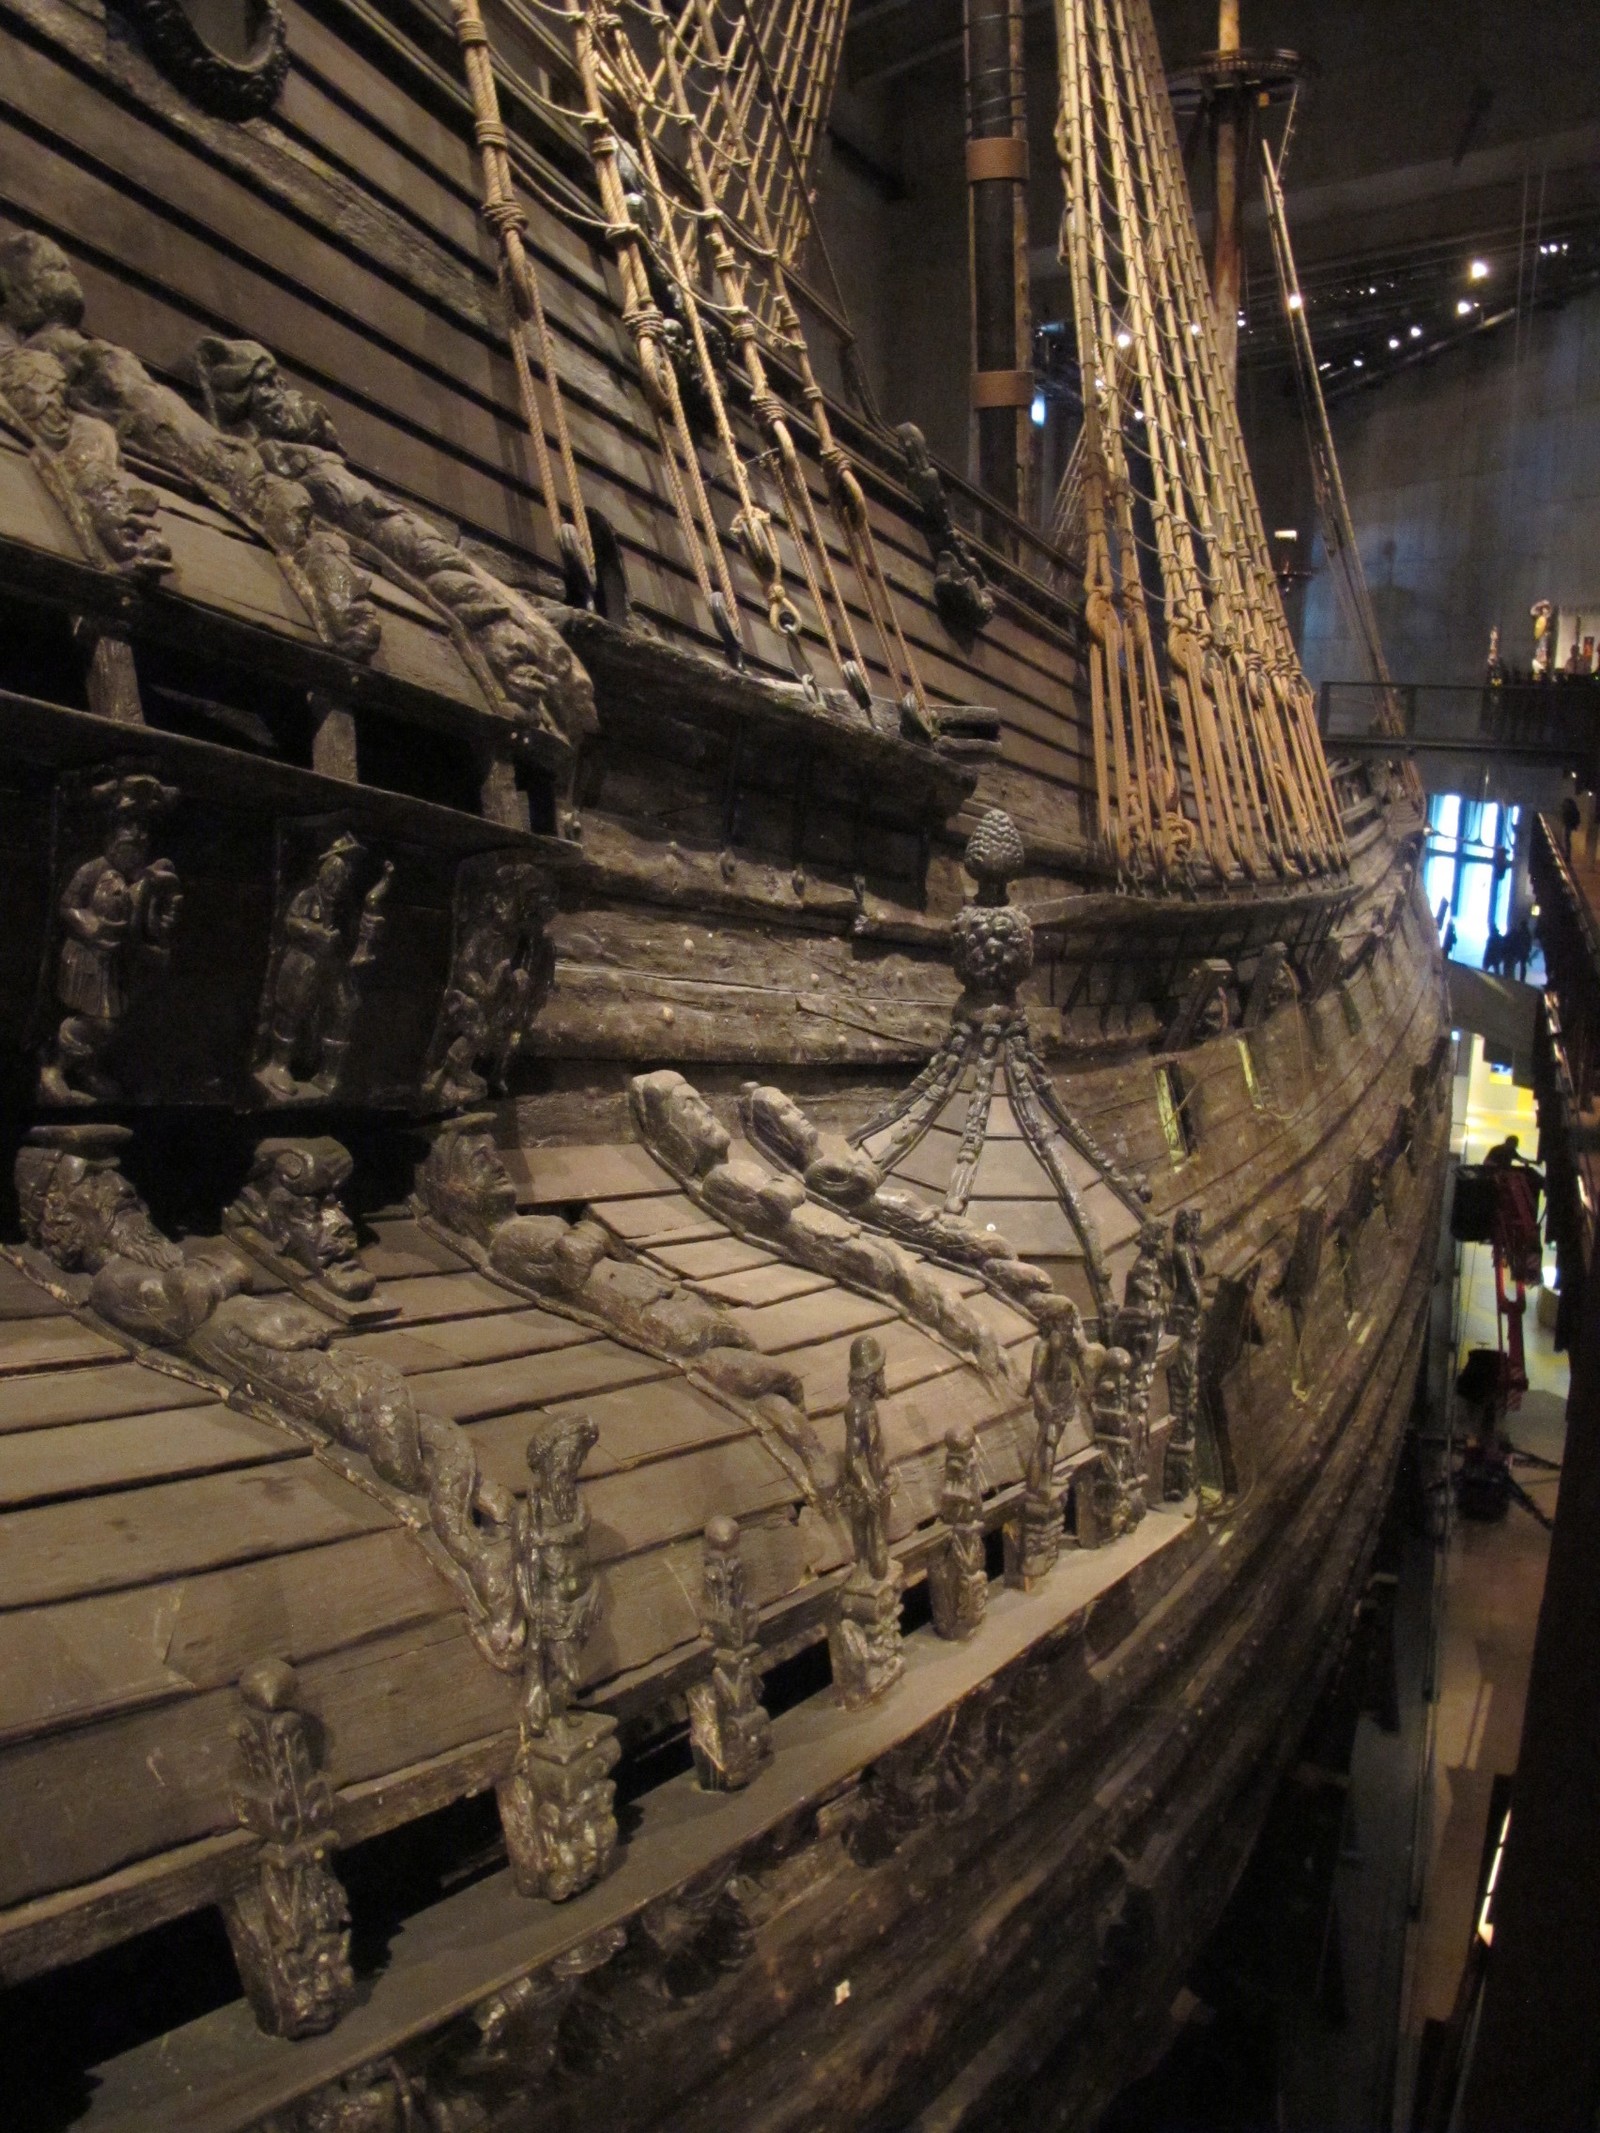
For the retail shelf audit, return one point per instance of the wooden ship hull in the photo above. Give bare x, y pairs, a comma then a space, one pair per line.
439, 892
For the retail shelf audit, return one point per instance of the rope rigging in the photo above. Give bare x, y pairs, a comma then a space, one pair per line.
1204, 734
1333, 507
700, 145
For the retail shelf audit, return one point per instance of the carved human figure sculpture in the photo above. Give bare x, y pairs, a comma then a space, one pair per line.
958, 1581
313, 988
1118, 1487
291, 1203
864, 1638
1033, 1538
117, 910
499, 979
730, 1735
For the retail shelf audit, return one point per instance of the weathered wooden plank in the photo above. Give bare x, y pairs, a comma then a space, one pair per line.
614, 1170
666, 1216
476, 1390
486, 1340
138, 1535
64, 1663
92, 1393
80, 1458
776, 1328
909, 1355
22, 1298
669, 1498
655, 1420
149, 1780
400, 1246
714, 1255
429, 1299
762, 1285
50, 1343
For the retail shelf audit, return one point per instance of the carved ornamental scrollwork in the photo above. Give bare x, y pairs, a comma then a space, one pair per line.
229, 87
289, 1923
556, 1806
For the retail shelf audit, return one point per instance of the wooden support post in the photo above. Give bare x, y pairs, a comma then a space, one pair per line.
111, 681
997, 185
333, 738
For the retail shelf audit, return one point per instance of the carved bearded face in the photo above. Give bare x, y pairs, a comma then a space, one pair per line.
37, 285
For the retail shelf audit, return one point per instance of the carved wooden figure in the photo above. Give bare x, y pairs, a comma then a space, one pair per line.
1139, 1324
1186, 1272
958, 1581
729, 1731
1033, 1537
864, 1637
556, 1806
290, 1215
499, 980
1118, 1488
313, 988
117, 911
289, 1923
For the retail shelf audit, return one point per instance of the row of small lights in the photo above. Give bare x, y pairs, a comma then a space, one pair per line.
1477, 271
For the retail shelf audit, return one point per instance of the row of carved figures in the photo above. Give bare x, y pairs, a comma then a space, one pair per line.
119, 910
267, 457
523, 1567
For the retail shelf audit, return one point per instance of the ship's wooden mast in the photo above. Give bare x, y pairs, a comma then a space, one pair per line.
997, 187
1225, 254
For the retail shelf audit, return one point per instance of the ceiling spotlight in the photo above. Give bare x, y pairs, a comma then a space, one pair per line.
1124, 338
1360, 362
1241, 318
1285, 533
1415, 332
1478, 271
1194, 325
1037, 411
1324, 366
1296, 300
1394, 340
1465, 307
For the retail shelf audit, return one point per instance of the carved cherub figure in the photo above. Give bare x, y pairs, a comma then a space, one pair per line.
116, 907
313, 984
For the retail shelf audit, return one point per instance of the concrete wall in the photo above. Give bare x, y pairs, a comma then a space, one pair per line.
1474, 485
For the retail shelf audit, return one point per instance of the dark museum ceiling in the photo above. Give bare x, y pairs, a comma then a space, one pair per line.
1444, 173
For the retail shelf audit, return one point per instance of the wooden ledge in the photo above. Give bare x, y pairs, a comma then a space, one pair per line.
221, 2074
